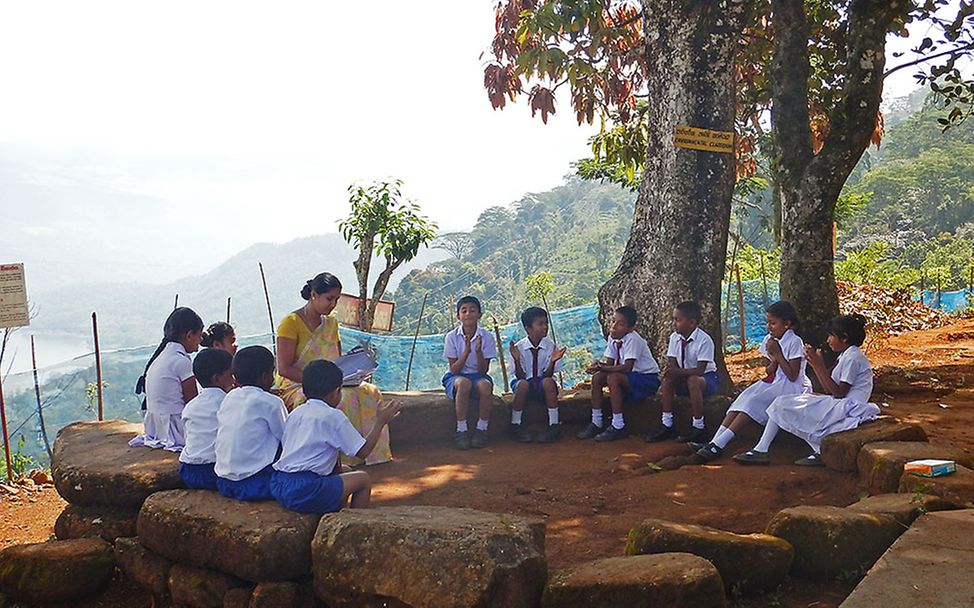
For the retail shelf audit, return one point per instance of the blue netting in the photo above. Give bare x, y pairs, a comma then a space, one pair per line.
949, 301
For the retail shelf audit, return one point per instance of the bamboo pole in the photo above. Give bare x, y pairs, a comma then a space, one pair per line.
554, 338
37, 395
764, 281
6, 438
270, 316
923, 288
175, 303
228, 311
938, 288
412, 352
730, 281
500, 353
740, 306
101, 401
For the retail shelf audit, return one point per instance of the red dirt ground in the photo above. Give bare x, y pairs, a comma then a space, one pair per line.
591, 494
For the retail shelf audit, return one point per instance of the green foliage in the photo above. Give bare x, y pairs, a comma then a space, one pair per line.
20, 462
91, 395
873, 265
379, 212
758, 263
539, 285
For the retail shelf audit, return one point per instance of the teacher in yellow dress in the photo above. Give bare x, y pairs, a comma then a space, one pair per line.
310, 333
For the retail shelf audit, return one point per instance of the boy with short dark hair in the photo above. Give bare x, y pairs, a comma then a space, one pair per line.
250, 427
468, 350
690, 371
536, 359
307, 478
629, 371
212, 369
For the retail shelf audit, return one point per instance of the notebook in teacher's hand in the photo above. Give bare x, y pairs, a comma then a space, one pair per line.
357, 365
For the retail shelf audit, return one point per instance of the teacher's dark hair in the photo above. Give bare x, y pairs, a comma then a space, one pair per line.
323, 283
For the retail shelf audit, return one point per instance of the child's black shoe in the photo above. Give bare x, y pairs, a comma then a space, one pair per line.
590, 431
612, 434
709, 452
753, 457
550, 434
696, 446
461, 440
479, 439
520, 434
694, 435
662, 434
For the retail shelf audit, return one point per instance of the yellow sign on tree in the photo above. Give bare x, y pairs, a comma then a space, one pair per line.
703, 139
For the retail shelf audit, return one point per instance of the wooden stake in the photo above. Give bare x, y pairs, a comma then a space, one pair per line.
764, 281
175, 303
938, 288
37, 394
500, 353
228, 311
6, 438
923, 288
101, 401
270, 316
740, 306
730, 282
409, 368
551, 327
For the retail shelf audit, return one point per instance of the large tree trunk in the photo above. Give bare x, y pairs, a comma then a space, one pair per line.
678, 240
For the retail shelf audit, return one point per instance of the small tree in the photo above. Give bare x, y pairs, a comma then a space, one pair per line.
458, 244
382, 224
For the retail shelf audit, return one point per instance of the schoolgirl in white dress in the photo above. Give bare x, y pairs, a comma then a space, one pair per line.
168, 382
784, 352
814, 417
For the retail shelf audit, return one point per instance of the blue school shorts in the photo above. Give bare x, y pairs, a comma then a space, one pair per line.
251, 489
307, 492
535, 390
198, 476
711, 384
642, 385
449, 379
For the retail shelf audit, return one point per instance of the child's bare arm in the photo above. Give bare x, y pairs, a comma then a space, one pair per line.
516, 356
555, 358
383, 416
625, 368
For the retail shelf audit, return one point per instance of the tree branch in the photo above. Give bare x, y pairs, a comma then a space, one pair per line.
968, 46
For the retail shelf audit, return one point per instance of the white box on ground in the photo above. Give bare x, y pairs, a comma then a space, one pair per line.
14, 311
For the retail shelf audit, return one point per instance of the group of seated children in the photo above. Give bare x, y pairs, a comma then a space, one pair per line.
782, 399
230, 434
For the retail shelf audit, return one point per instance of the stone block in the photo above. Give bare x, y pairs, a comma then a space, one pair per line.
108, 523
143, 566
841, 450
904, 508
957, 487
55, 571
198, 587
881, 463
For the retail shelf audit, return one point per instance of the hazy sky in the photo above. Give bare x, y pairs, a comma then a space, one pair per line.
149, 141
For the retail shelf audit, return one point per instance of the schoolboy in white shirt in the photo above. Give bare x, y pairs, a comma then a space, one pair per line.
212, 368
630, 372
307, 478
250, 427
690, 371
536, 359
468, 350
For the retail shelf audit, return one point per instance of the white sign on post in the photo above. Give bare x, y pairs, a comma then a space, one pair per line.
13, 296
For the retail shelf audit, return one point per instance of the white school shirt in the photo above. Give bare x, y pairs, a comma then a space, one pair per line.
854, 369
250, 426
700, 347
546, 348
199, 422
314, 434
164, 380
454, 343
632, 346
792, 347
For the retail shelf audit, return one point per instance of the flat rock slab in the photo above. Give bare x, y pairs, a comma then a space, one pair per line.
93, 465
254, 541
904, 508
56, 571
749, 562
840, 451
957, 487
674, 580
928, 566
429, 418
282, 595
830, 541
198, 587
881, 463
104, 522
428, 557
143, 566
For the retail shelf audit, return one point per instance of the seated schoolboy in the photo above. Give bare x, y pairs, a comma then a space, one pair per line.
468, 350
250, 425
690, 371
536, 359
307, 478
629, 370
212, 369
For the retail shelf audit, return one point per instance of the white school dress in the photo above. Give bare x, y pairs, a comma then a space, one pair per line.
755, 399
199, 421
163, 427
813, 417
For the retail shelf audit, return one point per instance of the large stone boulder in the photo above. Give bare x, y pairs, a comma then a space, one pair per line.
748, 563
143, 566
428, 557
255, 541
55, 571
93, 464
198, 587
840, 450
830, 541
428, 418
904, 508
957, 487
104, 522
674, 580
881, 462
282, 595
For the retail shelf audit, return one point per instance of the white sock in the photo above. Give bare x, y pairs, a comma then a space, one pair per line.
597, 418
617, 421
722, 439
552, 415
720, 430
481, 425
698, 422
516, 416
770, 431
461, 426
816, 446
668, 419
